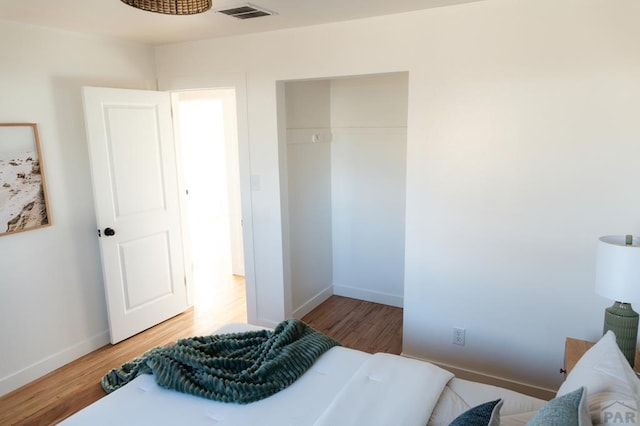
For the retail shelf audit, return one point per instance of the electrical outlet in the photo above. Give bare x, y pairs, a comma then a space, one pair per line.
458, 336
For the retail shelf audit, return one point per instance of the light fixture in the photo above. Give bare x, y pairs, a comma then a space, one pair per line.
171, 7
618, 278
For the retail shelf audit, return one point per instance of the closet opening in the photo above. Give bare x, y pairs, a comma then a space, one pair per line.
343, 186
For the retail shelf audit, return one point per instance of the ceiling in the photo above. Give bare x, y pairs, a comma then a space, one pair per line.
115, 19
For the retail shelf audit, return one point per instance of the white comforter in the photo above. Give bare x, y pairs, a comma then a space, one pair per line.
387, 390
344, 387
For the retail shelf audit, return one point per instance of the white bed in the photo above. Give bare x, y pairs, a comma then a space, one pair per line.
343, 387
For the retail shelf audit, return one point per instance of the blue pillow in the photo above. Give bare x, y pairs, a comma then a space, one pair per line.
566, 410
487, 414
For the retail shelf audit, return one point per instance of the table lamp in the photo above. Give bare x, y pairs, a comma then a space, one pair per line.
618, 278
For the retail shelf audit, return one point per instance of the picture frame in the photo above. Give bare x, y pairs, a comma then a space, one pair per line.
23, 192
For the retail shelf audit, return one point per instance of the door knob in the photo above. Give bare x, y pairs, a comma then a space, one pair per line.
109, 232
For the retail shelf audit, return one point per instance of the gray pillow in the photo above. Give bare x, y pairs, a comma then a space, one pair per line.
567, 410
487, 414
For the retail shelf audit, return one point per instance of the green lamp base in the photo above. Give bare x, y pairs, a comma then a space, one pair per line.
623, 321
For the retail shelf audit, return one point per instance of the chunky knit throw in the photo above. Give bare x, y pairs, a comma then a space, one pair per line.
235, 367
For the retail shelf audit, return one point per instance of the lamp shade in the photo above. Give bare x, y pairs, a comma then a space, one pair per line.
618, 268
171, 7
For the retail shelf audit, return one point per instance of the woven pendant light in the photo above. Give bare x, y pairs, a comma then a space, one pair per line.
171, 7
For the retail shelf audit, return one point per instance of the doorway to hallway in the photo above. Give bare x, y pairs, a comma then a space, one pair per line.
209, 145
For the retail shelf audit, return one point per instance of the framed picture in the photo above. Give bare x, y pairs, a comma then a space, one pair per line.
23, 192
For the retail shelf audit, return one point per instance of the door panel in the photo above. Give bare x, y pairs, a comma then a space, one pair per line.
142, 286
133, 136
135, 183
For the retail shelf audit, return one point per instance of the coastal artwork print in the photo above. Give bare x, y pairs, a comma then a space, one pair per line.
23, 194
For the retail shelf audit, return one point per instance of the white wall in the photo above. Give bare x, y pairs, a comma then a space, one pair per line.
522, 130
52, 306
368, 169
308, 207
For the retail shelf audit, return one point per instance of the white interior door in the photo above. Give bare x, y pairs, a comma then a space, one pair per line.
135, 185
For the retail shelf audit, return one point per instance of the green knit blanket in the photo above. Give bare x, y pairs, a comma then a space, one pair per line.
235, 367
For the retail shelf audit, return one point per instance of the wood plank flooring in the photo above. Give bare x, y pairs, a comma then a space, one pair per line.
367, 326
356, 324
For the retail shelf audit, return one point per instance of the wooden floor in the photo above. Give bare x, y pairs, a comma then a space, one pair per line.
369, 327
356, 324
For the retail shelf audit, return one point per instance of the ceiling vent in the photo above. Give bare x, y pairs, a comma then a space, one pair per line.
246, 11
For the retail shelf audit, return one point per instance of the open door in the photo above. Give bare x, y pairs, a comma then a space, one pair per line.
135, 186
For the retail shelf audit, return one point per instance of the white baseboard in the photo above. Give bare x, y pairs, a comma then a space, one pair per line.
52, 362
369, 295
475, 376
312, 303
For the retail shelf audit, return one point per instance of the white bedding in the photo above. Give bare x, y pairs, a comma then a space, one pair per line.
143, 402
460, 395
387, 390
331, 392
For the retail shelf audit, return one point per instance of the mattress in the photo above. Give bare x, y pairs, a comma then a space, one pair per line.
305, 402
